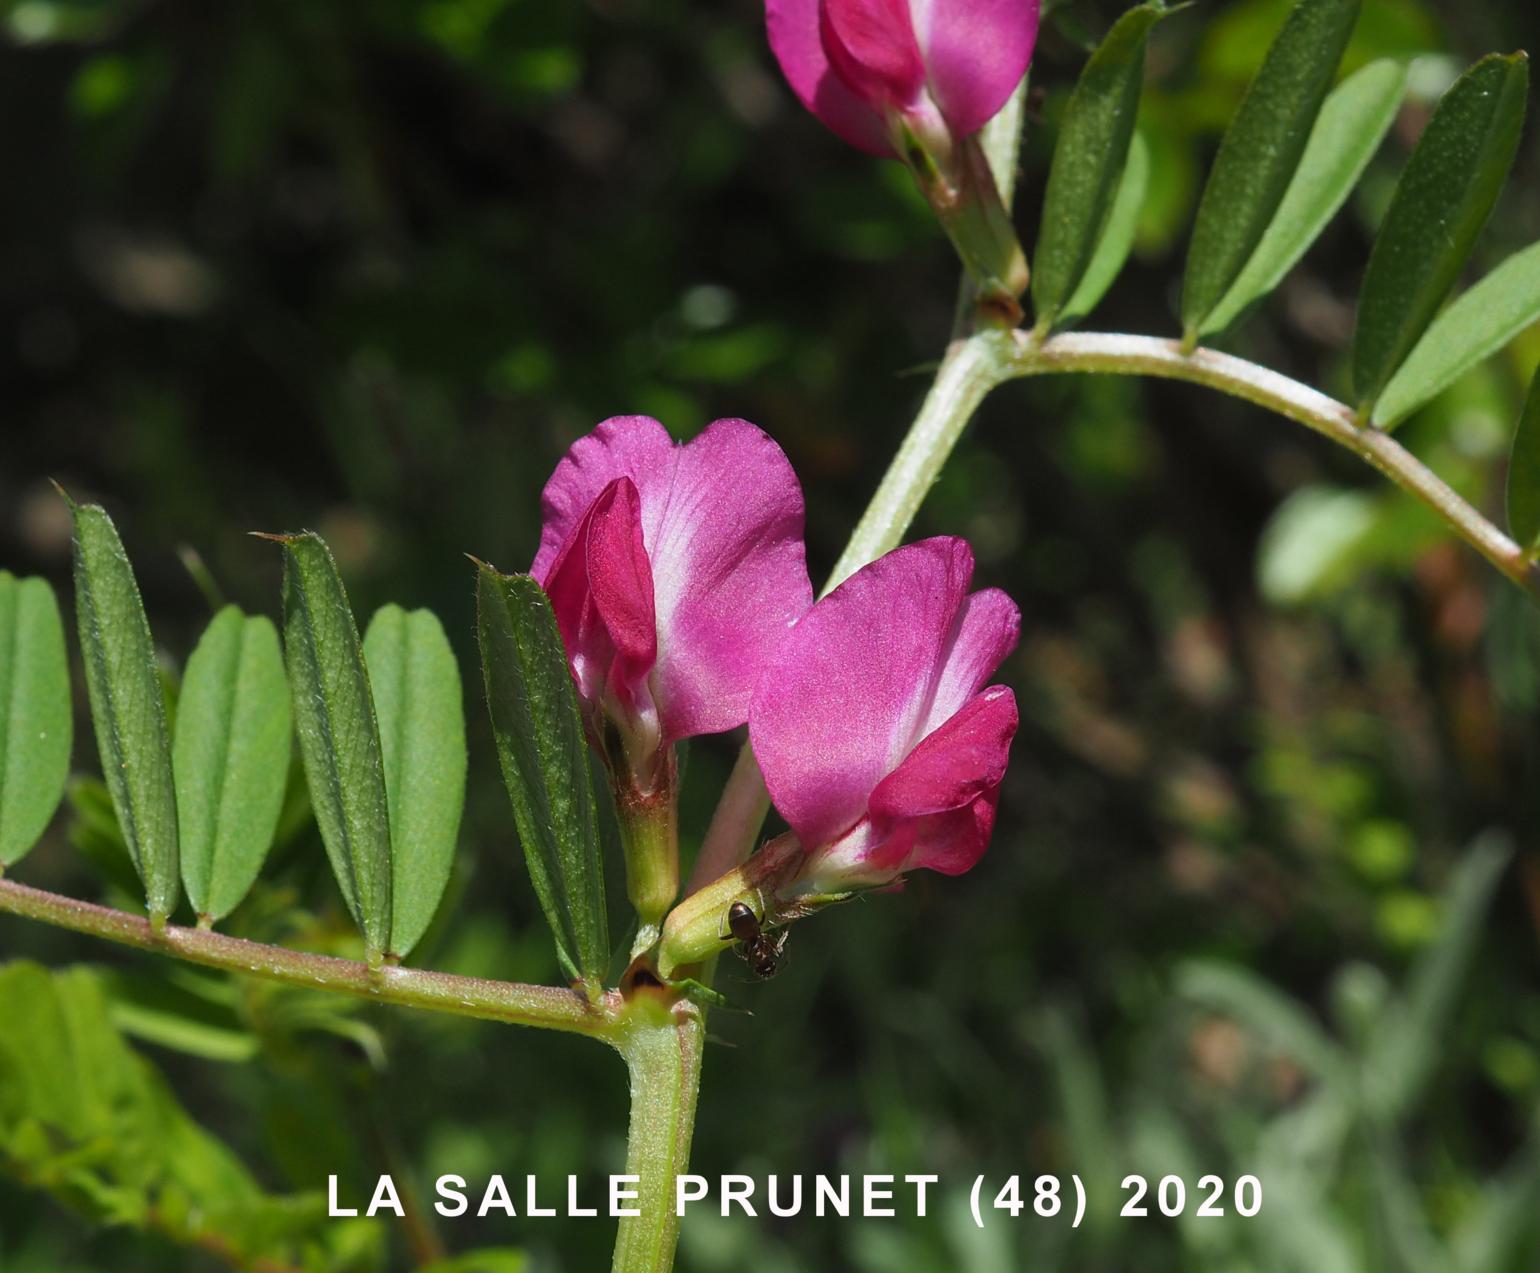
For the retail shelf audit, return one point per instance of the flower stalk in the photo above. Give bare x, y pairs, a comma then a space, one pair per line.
649, 834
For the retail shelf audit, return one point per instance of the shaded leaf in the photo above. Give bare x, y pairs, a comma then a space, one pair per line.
1261, 151
1276, 1019
35, 724
1117, 239
544, 757
418, 702
1471, 330
232, 758
1443, 200
1349, 130
128, 706
339, 738
1088, 161
1405, 1049
1524, 474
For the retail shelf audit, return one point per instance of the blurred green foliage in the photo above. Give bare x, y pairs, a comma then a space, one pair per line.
371, 267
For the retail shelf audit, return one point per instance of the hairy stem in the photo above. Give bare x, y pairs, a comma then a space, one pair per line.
549, 1007
662, 1044
1152, 356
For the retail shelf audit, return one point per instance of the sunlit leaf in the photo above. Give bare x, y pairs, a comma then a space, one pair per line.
1471, 330
1262, 150
128, 706
1406, 1049
418, 702
339, 738
1349, 130
544, 757
88, 1121
35, 719
1443, 200
231, 752
1088, 161
1117, 239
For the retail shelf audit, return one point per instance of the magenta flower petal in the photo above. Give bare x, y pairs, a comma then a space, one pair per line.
692, 567
975, 52
600, 587
633, 446
871, 46
952, 767
937, 809
875, 742
986, 631
852, 61
730, 573
796, 38
840, 705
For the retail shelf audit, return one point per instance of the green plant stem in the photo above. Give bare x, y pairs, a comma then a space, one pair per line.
662, 1044
1151, 356
972, 368
548, 1007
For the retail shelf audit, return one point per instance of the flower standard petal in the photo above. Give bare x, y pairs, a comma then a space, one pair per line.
731, 575
634, 446
836, 709
975, 53
987, 629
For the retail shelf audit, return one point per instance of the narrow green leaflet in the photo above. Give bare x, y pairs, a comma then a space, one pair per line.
128, 706
1524, 475
231, 751
1261, 151
339, 740
1470, 331
544, 758
1088, 161
419, 703
1442, 202
34, 713
1348, 132
1117, 239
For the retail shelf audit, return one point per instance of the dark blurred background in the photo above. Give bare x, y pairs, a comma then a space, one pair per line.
371, 267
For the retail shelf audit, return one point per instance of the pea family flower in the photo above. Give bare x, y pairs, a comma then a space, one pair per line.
915, 80
878, 739
674, 573
942, 68
878, 742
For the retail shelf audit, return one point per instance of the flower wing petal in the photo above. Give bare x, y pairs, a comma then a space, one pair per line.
796, 39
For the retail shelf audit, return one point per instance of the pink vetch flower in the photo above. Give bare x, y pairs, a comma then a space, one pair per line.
944, 68
877, 742
674, 573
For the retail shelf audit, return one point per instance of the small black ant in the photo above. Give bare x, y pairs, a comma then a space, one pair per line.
757, 948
